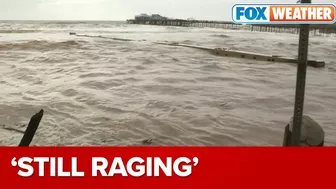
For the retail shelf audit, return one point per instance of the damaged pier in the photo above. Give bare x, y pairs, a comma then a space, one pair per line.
155, 19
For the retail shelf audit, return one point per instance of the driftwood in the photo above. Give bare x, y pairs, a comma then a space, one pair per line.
13, 129
31, 129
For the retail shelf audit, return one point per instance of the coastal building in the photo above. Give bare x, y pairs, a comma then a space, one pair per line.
146, 17
158, 17
142, 17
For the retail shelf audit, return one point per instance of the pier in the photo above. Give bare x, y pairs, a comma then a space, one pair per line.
317, 29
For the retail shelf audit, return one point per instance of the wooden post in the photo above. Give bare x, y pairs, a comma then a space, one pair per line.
31, 129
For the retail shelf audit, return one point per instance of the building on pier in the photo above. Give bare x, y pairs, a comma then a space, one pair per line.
142, 16
146, 17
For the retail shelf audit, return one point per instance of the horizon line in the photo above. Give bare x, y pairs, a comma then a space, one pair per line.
85, 20
56, 20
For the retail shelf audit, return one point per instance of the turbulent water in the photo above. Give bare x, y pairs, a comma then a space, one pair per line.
97, 91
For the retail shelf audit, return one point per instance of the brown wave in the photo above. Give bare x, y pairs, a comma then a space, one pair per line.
18, 31
221, 36
40, 45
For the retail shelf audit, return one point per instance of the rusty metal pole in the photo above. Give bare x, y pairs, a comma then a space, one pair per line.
300, 81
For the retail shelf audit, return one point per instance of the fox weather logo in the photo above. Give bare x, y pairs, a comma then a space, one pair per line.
283, 13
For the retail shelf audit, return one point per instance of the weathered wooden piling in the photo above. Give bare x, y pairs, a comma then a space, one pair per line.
31, 129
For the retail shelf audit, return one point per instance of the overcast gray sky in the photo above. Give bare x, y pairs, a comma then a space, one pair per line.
122, 9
